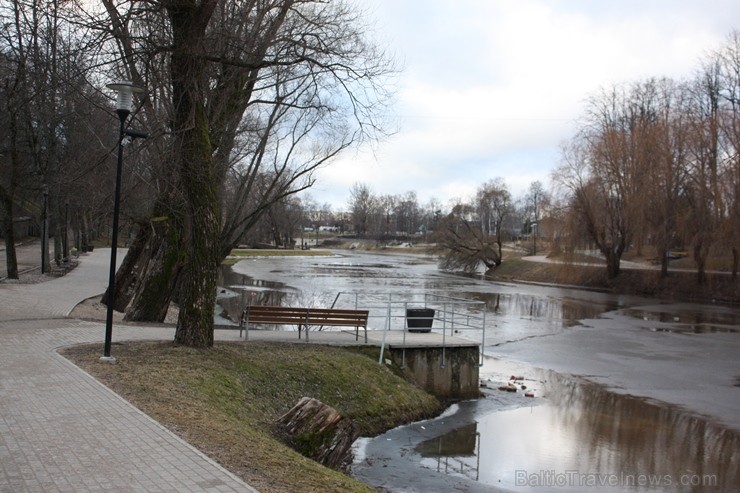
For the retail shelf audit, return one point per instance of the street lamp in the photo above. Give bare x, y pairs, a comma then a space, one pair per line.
45, 234
125, 91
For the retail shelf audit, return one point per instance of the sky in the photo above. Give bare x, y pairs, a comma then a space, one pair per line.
491, 88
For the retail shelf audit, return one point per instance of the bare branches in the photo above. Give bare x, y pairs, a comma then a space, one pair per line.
655, 164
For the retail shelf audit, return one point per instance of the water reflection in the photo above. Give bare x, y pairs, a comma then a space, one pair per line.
565, 310
239, 290
695, 319
455, 452
317, 280
582, 432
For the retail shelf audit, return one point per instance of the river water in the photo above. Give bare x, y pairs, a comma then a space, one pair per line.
630, 394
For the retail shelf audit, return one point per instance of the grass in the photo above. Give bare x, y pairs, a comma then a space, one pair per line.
225, 401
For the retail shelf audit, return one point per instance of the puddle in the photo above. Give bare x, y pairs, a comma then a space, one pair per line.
688, 319
691, 315
694, 329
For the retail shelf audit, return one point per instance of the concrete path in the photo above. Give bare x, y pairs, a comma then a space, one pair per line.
63, 431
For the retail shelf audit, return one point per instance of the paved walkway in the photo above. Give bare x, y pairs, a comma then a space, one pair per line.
63, 431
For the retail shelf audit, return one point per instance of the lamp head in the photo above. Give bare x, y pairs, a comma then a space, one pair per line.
126, 90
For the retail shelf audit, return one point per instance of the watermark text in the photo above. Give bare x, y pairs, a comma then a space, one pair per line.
572, 478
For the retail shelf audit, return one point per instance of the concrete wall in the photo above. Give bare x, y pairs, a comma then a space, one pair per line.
456, 378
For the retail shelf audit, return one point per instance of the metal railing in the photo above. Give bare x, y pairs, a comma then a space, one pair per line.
456, 317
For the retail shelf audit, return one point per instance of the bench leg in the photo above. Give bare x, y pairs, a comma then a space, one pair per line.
244, 326
302, 327
357, 333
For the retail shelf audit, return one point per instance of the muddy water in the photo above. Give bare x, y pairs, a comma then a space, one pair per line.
574, 435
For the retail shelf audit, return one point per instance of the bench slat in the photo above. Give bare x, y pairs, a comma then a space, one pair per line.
303, 317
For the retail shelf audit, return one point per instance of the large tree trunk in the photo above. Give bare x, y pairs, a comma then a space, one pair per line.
130, 270
202, 239
194, 150
700, 258
735, 261
58, 251
160, 264
664, 264
11, 260
612, 264
663, 256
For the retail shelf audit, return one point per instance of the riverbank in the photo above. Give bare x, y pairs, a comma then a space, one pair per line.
678, 285
638, 276
225, 400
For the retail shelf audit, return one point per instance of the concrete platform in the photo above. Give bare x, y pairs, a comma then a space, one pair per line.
393, 338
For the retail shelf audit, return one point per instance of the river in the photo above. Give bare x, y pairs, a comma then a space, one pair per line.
631, 394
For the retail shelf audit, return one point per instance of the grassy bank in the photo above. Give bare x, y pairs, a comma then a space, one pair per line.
225, 400
677, 285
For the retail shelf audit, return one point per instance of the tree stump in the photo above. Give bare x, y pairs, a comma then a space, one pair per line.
319, 432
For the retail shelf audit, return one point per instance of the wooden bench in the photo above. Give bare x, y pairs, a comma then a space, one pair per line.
303, 317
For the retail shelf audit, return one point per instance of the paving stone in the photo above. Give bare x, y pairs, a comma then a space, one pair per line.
60, 429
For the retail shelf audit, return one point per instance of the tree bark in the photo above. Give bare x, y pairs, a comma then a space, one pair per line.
319, 432
735, 261
202, 239
130, 270
663, 263
194, 150
160, 264
11, 260
612, 264
700, 258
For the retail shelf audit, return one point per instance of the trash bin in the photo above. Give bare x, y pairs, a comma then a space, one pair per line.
419, 319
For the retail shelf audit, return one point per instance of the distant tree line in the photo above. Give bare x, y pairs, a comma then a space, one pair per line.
656, 164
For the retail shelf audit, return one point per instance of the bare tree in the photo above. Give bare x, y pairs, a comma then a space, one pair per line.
729, 58
605, 172
407, 213
384, 221
462, 243
361, 205
664, 151
494, 207
49, 133
256, 96
706, 207
535, 198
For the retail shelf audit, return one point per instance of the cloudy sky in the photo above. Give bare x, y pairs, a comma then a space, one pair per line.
490, 88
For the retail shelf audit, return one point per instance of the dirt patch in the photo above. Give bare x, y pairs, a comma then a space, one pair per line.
93, 309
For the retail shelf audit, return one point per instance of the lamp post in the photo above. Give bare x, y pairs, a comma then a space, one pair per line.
45, 234
125, 91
